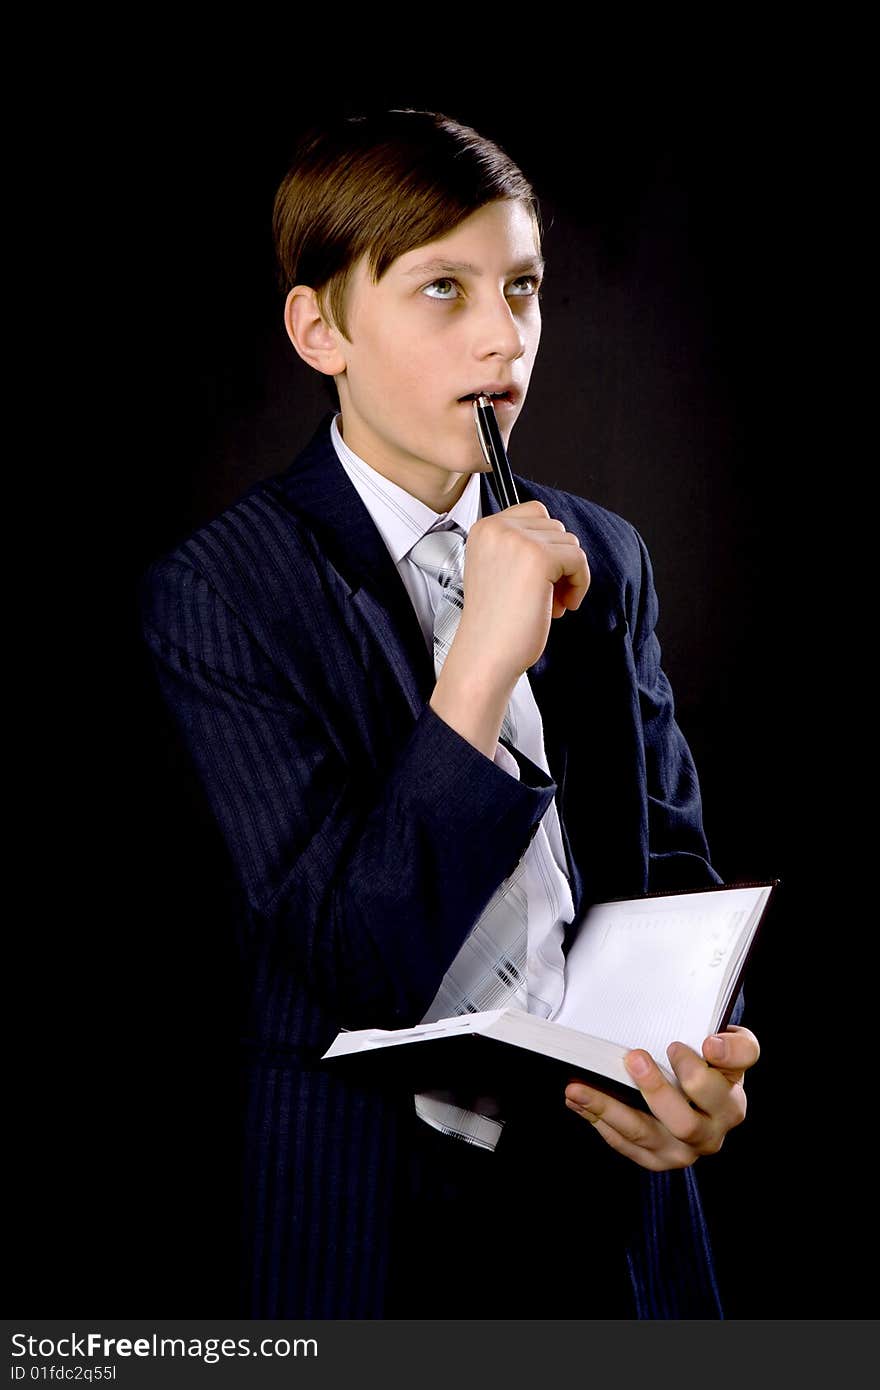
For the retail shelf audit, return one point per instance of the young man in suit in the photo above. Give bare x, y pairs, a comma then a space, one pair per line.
378, 804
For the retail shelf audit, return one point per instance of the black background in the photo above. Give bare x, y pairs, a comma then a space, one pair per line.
697, 231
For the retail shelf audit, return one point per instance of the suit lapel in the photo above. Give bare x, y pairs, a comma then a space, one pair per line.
317, 487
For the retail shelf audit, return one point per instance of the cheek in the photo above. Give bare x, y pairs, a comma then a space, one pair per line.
399, 355
409, 354
415, 373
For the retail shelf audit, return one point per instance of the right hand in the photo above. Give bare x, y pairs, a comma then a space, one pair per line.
522, 568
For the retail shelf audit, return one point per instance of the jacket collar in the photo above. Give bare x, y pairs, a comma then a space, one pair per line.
317, 488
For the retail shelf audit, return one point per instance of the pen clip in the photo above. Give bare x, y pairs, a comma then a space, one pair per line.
484, 443
492, 445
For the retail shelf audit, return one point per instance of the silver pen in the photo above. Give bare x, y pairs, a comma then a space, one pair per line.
492, 445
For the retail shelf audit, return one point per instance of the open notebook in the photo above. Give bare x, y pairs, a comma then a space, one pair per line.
641, 972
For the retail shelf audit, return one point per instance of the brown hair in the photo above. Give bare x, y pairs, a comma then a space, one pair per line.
381, 185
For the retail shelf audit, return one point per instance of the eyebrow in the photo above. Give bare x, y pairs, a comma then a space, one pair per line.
531, 263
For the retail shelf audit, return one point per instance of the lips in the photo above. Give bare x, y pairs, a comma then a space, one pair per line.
498, 394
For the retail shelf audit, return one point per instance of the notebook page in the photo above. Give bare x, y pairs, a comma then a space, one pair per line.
649, 972
364, 1039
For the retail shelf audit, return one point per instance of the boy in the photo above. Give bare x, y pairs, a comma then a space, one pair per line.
389, 767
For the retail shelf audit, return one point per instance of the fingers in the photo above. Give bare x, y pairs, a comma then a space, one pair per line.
569, 570
564, 563
718, 1099
574, 579
638, 1136
732, 1052
706, 1104
684, 1123
530, 508
692, 1124
557, 554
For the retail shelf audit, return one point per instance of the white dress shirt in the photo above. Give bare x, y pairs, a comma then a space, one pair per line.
402, 520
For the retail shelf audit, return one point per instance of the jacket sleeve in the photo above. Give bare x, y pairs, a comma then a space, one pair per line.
366, 881
678, 851
679, 854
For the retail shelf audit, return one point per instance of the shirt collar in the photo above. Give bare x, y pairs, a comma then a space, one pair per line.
400, 518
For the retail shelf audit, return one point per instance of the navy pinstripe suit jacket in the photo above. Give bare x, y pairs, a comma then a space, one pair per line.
367, 836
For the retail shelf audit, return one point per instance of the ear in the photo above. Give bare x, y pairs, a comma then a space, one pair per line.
314, 339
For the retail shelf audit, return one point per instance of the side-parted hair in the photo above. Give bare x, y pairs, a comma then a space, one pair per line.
381, 185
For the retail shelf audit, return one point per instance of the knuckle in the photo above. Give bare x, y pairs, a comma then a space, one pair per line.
516, 542
675, 1159
683, 1156
740, 1106
538, 551
665, 1160
640, 1134
654, 1162
692, 1132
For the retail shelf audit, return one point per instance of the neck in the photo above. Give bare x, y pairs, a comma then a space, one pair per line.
435, 487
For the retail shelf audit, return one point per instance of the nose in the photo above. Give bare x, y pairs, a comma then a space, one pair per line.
497, 331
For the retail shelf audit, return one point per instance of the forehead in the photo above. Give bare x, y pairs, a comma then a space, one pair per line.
498, 238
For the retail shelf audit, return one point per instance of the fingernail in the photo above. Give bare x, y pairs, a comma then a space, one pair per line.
717, 1048
638, 1064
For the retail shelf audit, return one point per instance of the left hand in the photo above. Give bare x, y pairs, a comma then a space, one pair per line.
684, 1124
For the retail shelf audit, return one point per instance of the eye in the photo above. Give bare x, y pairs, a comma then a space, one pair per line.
534, 280
440, 282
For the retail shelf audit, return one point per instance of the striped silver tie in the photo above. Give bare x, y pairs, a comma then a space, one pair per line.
442, 554
490, 970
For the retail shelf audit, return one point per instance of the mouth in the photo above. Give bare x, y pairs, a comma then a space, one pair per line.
505, 398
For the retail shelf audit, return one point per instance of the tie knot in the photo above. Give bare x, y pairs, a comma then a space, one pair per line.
441, 553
